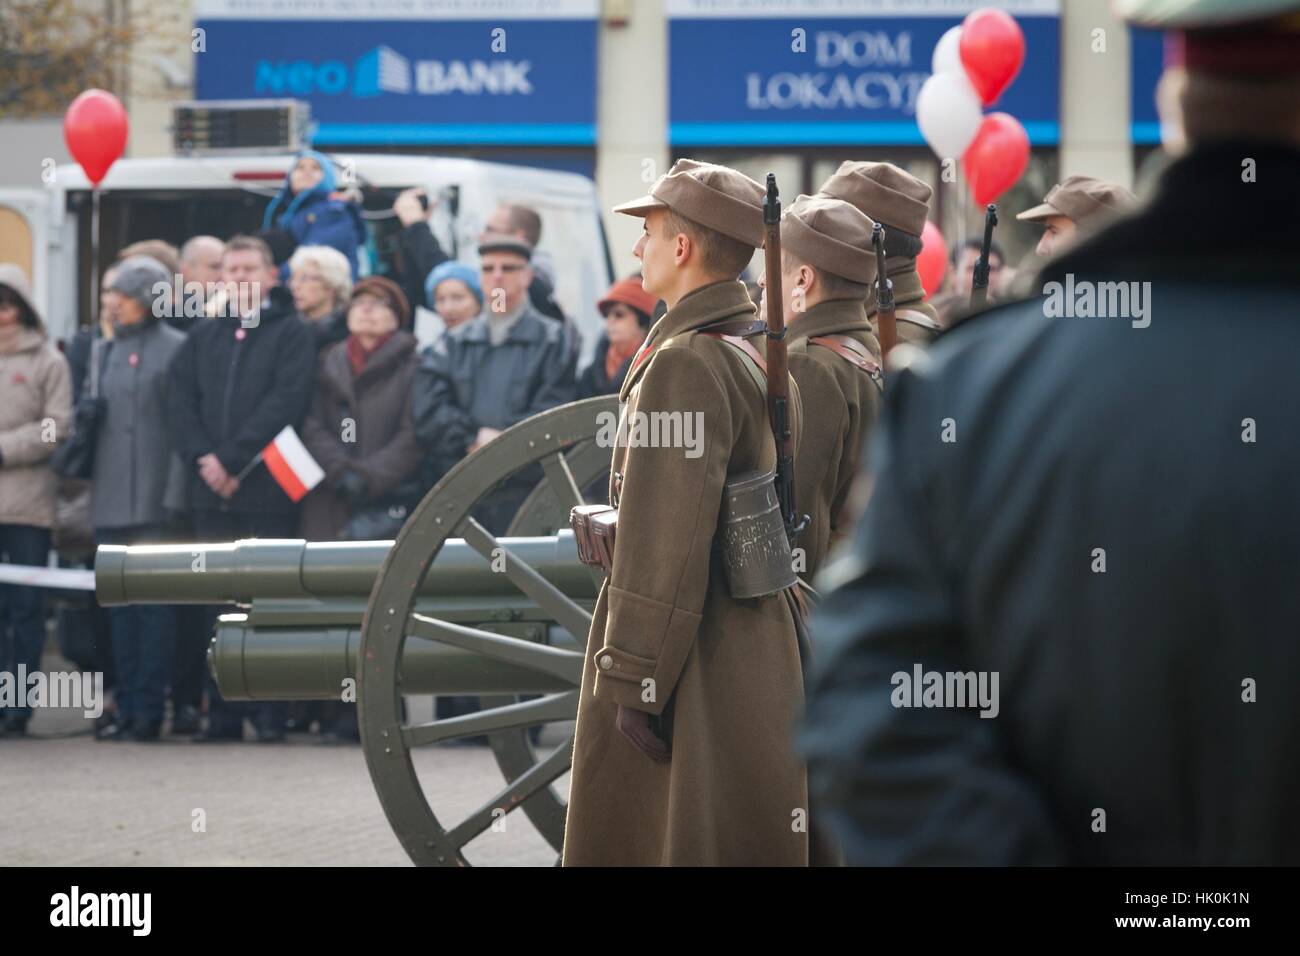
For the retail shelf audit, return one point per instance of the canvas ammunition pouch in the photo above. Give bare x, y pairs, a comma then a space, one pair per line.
756, 558
756, 555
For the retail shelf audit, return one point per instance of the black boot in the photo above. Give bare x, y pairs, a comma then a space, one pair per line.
144, 731
185, 720
119, 728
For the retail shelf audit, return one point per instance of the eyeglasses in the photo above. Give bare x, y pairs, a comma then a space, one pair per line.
507, 268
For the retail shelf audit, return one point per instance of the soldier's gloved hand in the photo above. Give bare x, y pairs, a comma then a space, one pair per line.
635, 726
352, 486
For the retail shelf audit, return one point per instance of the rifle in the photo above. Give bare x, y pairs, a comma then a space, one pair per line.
778, 376
979, 283
885, 317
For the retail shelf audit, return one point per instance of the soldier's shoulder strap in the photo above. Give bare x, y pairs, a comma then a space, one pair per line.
733, 332
853, 352
918, 318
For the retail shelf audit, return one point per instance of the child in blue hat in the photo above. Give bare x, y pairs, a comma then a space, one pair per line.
306, 210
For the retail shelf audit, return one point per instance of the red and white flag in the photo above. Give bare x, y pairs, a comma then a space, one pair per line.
291, 464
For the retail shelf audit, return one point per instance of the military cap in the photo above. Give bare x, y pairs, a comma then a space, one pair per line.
498, 242
1079, 198
884, 192
716, 197
831, 235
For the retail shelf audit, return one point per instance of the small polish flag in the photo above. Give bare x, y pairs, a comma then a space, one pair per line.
291, 464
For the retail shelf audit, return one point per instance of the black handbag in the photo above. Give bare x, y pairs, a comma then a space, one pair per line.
75, 457
382, 519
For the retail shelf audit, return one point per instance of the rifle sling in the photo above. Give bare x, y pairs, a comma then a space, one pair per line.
849, 349
756, 366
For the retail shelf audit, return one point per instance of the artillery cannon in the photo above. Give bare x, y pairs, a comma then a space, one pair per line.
447, 608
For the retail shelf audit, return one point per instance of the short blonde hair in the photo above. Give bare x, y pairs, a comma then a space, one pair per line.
330, 263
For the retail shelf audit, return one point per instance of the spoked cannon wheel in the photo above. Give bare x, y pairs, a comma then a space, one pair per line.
563, 442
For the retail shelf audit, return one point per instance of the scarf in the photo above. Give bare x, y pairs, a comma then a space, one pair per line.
614, 358
359, 355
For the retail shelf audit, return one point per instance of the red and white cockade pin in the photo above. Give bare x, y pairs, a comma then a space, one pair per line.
134, 359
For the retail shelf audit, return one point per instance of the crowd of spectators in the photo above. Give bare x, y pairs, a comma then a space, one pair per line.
180, 409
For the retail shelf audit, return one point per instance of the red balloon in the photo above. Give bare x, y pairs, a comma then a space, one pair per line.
992, 50
95, 129
932, 263
996, 158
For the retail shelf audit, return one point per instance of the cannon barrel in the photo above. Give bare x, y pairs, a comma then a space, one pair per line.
312, 662
286, 569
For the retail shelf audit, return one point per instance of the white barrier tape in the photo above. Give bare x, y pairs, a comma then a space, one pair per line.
67, 579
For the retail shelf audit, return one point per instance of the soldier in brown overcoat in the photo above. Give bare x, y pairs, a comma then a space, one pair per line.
900, 202
826, 275
682, 754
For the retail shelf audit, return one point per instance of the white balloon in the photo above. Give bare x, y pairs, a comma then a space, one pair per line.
947, 53
949, 114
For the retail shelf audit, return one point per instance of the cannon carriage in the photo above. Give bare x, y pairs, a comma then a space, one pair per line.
447, 608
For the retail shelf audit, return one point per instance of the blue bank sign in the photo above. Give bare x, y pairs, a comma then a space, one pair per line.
1147, 49
835, 71
411, 71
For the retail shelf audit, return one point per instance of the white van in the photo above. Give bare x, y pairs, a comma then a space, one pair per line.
48, 231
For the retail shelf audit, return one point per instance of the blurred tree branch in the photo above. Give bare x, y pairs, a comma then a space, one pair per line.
51, 50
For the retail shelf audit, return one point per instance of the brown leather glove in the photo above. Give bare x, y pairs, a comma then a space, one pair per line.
635, 726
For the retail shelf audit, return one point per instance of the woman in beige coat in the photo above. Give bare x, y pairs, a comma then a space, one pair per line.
35, 408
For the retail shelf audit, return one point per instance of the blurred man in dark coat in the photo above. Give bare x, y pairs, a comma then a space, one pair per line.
1067, 629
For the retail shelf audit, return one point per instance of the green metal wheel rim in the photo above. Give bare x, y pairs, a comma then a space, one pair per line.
563, 441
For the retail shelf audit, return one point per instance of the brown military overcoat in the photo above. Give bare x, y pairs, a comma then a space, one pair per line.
726, 673
918, 322
841, 402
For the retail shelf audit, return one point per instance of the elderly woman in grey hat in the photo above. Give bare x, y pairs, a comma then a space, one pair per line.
35, 407
132, 455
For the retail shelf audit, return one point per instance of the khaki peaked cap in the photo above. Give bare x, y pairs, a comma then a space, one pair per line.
884, 192
831, 235
1079, 198
716, 197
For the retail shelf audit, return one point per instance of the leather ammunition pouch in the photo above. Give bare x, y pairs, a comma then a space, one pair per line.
594, 527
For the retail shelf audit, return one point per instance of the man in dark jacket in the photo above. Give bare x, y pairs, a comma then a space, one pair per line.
1066, 632
419, 251
492, 372
525, 224
234, 384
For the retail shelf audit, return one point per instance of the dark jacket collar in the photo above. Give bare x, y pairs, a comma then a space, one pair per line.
530, 328
385, 361
1203, 223
830, 318
277, 305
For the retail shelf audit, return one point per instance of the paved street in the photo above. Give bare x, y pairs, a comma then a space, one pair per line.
68, 799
